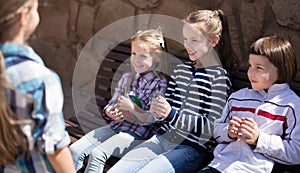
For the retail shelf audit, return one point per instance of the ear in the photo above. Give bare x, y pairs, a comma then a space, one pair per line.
215, 41
24, 17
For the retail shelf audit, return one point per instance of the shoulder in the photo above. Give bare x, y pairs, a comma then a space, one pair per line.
31, 72
159, 76
291, 98
217, 71
183, 68
184, 65
243, 93
127, 75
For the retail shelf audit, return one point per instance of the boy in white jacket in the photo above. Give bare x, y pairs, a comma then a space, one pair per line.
261, 125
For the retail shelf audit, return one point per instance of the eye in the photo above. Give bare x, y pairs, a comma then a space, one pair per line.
260, 67
144, 56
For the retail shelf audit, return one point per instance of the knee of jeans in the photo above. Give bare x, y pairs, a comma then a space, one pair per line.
99, 154
77, 154
74, 152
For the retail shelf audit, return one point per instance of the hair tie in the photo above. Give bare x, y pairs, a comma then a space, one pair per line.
161, 42
217, 13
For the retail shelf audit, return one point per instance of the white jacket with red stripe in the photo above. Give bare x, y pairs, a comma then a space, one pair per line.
277, 114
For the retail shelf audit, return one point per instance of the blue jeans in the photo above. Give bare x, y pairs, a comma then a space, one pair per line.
100, 144
159, 155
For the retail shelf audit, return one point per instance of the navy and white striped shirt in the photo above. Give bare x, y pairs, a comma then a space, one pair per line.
197, 97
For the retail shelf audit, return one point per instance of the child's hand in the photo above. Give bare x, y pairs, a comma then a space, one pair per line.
233, 128
160, 107
115, 114
248, 131
124, 103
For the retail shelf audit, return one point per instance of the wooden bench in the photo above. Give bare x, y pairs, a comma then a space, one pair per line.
109, 73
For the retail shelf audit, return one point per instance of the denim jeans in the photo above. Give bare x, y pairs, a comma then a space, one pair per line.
100, 144
159, 155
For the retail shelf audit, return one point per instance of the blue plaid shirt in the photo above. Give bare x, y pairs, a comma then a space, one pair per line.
28, 74
143, 87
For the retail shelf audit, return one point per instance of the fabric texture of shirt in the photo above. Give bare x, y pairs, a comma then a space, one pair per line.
28, 74
276, 113
197, 97
143, 87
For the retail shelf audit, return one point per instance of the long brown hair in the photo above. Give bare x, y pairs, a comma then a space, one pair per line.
214, 23
12, 140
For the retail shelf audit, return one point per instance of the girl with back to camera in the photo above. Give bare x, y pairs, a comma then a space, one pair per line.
30, 141
196, 96
260, 125
124, 131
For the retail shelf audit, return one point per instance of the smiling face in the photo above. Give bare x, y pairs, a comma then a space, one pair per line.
141, 59
261, 73
195, 43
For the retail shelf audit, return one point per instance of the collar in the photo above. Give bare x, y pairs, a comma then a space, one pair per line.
275, 88
147, 77
22, 51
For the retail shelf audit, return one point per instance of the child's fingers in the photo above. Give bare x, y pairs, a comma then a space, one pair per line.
234, 123
237, 119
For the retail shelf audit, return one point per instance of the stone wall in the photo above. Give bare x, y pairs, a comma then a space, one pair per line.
67, 25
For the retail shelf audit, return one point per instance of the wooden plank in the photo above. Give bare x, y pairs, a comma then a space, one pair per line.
110, 64
93, 108
123, 48
117, 56
105, 94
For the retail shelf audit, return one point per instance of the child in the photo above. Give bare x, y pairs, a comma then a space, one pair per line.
196, 94
43, 145
124, 132
261, 125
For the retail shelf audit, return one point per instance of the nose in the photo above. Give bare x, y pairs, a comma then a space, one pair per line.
250, 71
186, 44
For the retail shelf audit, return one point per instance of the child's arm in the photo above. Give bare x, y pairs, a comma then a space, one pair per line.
226, 127
61, 160
109, 109
284, 149
200, 124
132, 112
144, 117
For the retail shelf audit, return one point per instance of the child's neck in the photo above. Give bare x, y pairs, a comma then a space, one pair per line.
210, 59
17, 38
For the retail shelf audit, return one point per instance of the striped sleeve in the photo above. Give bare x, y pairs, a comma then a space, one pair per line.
198, 100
